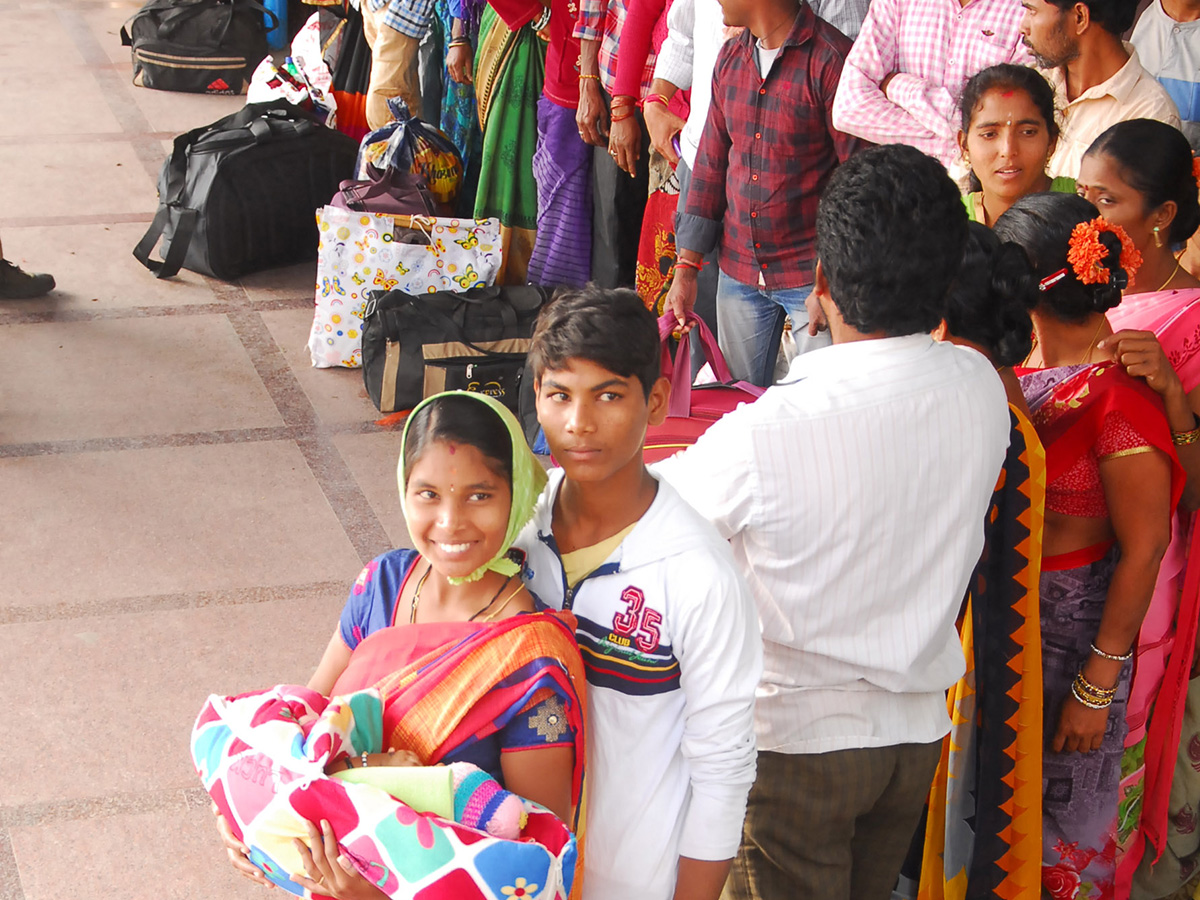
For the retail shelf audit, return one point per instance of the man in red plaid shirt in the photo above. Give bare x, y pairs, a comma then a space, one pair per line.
768, 149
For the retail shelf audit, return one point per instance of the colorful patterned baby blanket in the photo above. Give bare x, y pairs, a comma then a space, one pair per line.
262, 756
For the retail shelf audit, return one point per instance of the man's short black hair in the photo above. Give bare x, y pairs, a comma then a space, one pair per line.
891, 228
609, 327
1114, 16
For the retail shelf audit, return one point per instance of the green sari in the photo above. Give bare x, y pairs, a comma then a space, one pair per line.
509, 70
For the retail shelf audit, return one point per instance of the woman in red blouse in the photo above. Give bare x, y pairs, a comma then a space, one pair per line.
1112, 483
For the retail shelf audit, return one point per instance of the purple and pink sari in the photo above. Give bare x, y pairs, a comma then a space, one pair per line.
1165, 645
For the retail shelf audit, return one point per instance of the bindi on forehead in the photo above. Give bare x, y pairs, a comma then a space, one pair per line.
1009, 93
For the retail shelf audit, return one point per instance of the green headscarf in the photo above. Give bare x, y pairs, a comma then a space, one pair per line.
528, 479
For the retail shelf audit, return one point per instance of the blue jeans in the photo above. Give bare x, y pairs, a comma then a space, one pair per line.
750, 325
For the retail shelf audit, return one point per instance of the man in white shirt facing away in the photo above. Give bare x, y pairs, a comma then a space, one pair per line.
854, 496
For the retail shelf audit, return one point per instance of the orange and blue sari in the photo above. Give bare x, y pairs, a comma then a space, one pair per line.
432, 689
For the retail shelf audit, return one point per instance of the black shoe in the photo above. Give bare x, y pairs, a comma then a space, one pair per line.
16, 284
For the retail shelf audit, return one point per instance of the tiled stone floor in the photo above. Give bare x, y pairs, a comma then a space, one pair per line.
183, 499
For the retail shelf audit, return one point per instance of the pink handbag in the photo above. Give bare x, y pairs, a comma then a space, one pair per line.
692, 409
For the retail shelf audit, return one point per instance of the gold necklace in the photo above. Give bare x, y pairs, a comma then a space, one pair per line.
1178, 263
1095, 337
1086, 356
416, 600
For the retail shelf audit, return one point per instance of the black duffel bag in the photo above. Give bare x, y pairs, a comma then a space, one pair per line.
417, 345
198, 46
241, 194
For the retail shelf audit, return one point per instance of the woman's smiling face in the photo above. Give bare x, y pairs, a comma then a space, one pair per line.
1008, 144
457, 508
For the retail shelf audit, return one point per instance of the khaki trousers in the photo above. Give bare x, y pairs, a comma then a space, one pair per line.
394, 68
831, 826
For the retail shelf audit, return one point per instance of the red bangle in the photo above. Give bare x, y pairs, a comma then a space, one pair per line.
616, 118
688, 264
653, 98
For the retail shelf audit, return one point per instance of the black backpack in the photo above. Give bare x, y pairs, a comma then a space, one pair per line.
241, 194
198, 46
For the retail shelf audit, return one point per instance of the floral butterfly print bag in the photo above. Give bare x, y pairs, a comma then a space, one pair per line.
416, 346
360, 253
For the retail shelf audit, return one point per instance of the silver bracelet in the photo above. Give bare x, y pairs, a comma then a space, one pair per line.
543, 20
1088, 703
1100, 653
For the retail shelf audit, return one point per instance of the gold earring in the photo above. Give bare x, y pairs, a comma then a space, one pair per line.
1158, 241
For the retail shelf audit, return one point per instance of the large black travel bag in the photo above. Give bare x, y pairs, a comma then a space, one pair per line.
241, 194
417, 345
198, 46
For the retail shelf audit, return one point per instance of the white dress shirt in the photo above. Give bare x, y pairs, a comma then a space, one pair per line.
854, 497
1131, 93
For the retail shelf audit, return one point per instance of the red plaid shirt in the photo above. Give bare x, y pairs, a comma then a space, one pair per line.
767, 150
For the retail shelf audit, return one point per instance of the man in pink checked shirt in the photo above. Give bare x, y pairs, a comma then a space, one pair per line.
903, 77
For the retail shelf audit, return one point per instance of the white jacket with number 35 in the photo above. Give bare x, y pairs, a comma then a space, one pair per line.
673, 653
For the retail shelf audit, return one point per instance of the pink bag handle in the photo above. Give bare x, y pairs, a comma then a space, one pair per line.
680, 371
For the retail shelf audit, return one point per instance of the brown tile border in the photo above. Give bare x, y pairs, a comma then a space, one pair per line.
363, 528
183, 439
114, 85
32, 815
7, 222
80, 314
320, 590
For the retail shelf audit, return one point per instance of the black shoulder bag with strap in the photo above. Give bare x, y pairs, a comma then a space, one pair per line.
241, 194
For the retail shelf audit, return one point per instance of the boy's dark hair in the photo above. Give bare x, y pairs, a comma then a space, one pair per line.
463, 421
1008, 77
990, 300
1114, 16
1041, 224
609, 327
891, 227
1156, 161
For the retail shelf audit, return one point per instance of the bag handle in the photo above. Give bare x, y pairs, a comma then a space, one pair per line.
172, 261
507, 313
680, 371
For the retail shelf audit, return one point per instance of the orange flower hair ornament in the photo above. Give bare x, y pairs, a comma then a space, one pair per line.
1196, 167
1086, 255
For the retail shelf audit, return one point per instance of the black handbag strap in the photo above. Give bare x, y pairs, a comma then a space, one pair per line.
172, 261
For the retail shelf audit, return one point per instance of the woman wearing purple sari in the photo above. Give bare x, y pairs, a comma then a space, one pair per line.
1112, 482
1140, 175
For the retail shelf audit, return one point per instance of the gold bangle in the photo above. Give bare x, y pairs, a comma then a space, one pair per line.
1087, 687
1185, 438
582, 76
1090, 704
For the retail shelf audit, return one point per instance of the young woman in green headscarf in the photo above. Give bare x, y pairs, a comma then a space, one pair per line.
469, 668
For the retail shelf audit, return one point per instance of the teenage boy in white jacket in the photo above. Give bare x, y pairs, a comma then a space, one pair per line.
667, 626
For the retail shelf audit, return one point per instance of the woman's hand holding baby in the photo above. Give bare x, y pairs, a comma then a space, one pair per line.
329, 871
